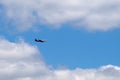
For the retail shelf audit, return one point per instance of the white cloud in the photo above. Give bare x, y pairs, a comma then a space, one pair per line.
16, 50
18, 62
92, 14
21, 61
106, 73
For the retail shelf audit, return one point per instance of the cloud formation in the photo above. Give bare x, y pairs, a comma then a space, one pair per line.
21, 61
92, 14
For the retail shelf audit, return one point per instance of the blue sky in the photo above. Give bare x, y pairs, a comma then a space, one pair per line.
79, 35
73, 48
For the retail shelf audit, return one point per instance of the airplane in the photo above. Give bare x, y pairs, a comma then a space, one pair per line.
39, 40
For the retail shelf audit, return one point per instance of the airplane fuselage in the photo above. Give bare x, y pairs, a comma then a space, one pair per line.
39, 40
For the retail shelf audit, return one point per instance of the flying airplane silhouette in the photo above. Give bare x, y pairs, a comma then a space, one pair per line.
39, 40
